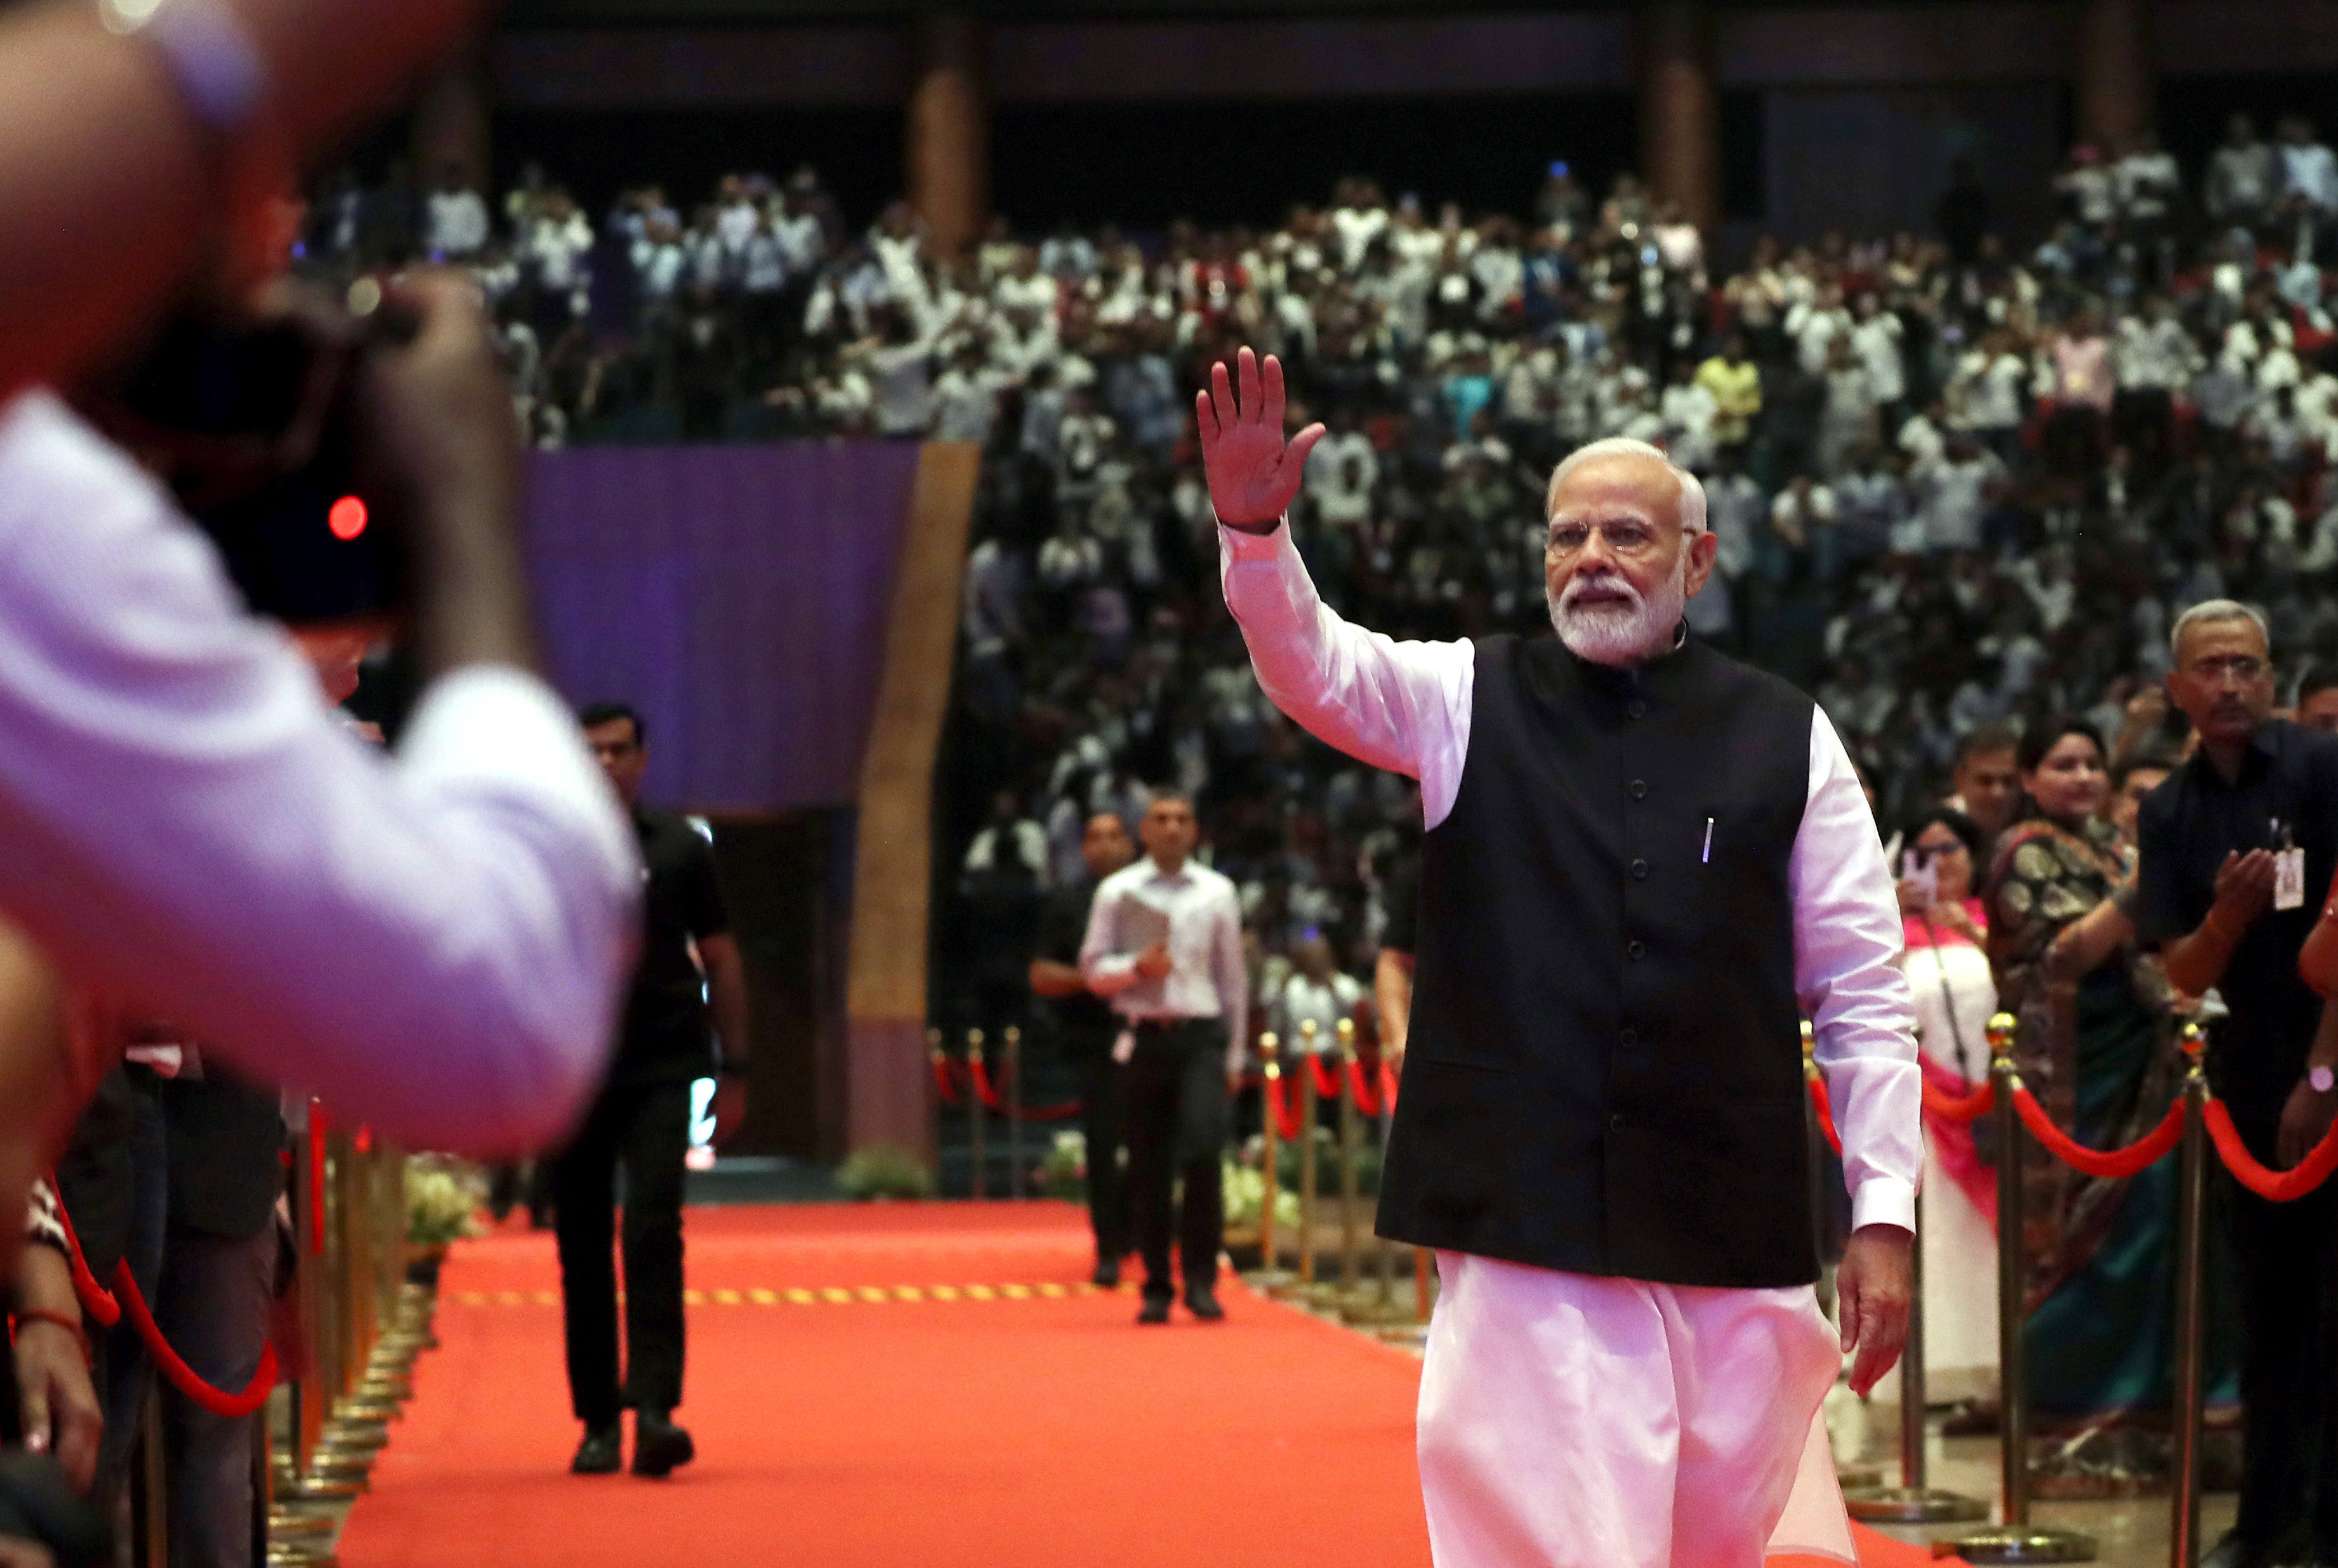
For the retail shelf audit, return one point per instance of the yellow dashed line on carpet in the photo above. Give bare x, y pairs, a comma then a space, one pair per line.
800, 1296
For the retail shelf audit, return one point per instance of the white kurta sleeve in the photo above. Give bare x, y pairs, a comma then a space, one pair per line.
434, 944
1847, 943
1401, 706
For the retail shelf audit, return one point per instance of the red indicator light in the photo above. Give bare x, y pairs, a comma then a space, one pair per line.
347, 517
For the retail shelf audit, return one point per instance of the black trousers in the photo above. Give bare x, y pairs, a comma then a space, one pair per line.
644, 1128
1176, 1085
1103, 1125
2288, 1257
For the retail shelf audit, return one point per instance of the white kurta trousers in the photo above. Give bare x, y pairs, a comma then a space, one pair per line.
1572, 1421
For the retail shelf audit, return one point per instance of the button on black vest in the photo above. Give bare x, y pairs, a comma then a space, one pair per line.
1604, 1072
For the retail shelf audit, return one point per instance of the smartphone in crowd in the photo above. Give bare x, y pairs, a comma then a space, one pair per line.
1917, 866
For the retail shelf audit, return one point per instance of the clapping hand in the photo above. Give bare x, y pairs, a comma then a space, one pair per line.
1253, 474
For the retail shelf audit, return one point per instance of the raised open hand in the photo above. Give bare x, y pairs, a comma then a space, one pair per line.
1253, 474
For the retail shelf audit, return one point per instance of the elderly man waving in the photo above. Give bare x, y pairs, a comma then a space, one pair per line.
1644, 864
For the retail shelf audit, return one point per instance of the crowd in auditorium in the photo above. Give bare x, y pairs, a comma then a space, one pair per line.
1957, 478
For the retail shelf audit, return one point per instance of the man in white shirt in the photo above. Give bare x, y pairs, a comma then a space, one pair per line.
1164, 945
1341, 485
1641, 861
433, 944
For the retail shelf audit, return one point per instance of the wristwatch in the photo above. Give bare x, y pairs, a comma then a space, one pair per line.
2322, 1078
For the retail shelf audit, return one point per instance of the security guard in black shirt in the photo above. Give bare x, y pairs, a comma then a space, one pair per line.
2237, 846
1083, 1027
642, 1122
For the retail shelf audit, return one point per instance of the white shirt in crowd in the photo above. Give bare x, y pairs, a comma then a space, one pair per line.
1322, 1002
457, 224
1207, 977
433, 944
1341, 475
1407, 707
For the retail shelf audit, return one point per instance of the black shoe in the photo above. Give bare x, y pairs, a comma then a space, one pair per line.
1107, 1274
1154, 1310
603, 1450
1203, 1303
660, 1446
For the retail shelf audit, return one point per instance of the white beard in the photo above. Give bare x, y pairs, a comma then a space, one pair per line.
1620, 634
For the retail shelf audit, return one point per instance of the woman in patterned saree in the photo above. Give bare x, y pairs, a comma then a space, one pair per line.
2098, 1046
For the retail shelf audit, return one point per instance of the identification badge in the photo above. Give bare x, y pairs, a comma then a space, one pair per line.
1124, 1046
2289, 879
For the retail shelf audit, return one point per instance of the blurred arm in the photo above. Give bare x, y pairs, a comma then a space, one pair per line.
105, 196
1402, 706
434, 945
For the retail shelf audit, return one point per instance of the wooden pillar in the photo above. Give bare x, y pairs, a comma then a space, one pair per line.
2110, 72
887, 1089
948, 133
1680, 109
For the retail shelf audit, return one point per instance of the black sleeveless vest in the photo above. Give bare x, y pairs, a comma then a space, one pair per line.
1604, 1069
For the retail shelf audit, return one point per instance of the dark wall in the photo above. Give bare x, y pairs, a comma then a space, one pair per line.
1143, 164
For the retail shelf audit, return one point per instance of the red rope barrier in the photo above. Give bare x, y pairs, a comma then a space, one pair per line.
1366, 1101
942, 1084
107, 1309
2276, 1186
183, 1377
1969, 1107
979, 1071
1388, 1085
2113, 1164
1286, 1115
1327, 1082
320, 1123
1825, 1112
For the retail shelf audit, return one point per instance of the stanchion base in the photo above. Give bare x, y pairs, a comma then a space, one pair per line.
1266, 1282
2020, 1544
316, 1489
289, 1526
1913, 1505
288, 1554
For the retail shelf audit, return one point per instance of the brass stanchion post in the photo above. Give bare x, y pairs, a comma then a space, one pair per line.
1011, 1090
1912, 1502
1350, 1148
974, 1109
1269, 1251
2191, 1370
1307, 1152
2017, 1540
1421, 1284
1383, 1252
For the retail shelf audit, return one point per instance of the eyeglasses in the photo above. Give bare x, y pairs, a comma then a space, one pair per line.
1925, 854
1626, 536
2242, 667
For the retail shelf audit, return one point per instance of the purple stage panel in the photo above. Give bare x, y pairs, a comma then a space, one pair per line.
736, 595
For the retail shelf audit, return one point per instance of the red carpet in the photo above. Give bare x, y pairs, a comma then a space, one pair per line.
1011, 1417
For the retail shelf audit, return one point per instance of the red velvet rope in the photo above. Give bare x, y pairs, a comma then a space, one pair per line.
990, 1097
942, 1084
2276, 1186
318, 1125
1825, 1112
1327, 1082
183, 1377
978, 1070
1388, 1085
2113, 1164
107, 1309
1969, 1107
1358, 1084
1286, 1114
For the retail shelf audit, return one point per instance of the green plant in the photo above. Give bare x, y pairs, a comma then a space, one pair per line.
1065, 1173
884, 1170
1245, 1195
442, 1200
1327, 1165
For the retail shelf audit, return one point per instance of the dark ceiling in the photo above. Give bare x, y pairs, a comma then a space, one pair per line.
765, 12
